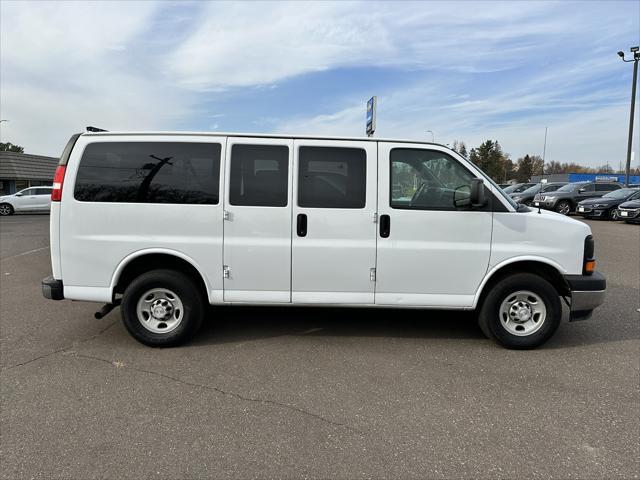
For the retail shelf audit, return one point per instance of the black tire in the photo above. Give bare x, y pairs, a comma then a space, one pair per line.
6, 209
489, 316
564, 207
188, 295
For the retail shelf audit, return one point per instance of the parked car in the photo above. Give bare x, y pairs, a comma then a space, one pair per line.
629, 211
165, 224
517, 188
566, 198
33, 199
526, 197
607, 205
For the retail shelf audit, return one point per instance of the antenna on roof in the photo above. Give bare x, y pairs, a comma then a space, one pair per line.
96, 129
542, 179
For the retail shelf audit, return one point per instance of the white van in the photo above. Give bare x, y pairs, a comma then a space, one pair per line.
166, 223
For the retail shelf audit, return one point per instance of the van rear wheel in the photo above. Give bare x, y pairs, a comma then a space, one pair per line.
162, 308
521, 311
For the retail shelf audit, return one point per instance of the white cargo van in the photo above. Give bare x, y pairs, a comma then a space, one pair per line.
166, 223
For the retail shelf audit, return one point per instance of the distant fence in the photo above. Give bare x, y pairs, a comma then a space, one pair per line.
587, 177
602, 177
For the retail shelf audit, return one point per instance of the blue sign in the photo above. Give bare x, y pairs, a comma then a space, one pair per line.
371, 115
602, 177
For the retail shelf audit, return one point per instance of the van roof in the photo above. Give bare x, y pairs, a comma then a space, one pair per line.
260, 135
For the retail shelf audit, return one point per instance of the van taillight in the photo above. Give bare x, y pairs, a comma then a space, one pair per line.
58, 180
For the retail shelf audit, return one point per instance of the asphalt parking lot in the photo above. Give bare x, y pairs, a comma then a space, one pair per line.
322, 393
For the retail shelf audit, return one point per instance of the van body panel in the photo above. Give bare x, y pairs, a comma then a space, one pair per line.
213, 295
257, 239
430, 255
96, 236
54, 240
511, 260
548, 236
334, 260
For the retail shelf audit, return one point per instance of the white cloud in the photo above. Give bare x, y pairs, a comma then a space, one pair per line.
577, 133
148, 65
64, 66
257, 43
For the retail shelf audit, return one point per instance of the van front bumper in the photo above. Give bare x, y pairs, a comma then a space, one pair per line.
52, 289
587, 293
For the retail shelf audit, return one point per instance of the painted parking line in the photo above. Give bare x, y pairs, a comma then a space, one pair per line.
24, 253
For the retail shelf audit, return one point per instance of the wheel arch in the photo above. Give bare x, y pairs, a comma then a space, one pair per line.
142, 261
543, 267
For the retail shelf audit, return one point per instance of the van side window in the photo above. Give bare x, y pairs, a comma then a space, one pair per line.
259, 175
426, 179
149, 172
330, 177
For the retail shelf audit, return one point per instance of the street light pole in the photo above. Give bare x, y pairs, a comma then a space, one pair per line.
636, 57
433, 137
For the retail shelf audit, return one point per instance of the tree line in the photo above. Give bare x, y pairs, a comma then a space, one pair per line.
496, 163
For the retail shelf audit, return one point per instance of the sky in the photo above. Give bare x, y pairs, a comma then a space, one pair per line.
467, 71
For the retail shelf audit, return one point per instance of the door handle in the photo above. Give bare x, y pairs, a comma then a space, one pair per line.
385, 226
302, 225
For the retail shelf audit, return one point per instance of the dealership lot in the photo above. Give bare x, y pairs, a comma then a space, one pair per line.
291, 392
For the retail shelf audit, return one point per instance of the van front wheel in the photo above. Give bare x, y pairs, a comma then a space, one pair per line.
521, 311
162, 308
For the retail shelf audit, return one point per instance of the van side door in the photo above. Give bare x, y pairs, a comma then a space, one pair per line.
334, 239
257, 226
430, 251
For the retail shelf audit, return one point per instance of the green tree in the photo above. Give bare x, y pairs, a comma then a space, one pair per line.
492, 160
460, 147
10, 147
527, 167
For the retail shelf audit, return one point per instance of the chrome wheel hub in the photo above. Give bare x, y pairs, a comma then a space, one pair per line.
522, 313
160, 310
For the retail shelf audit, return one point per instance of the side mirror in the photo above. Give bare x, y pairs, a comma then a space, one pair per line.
19, 194
477, 193
462, 197
582, 190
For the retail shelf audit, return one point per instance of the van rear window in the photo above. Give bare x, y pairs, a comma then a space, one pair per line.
149, 172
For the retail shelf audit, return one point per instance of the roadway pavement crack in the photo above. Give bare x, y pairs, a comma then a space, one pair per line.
60, 350
221, 391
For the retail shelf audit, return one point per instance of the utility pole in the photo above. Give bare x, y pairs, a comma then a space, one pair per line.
636, 56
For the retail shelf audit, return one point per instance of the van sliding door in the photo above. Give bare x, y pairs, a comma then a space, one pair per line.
257, 225
334, 234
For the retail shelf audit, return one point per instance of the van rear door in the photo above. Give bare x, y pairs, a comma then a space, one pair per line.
334, 234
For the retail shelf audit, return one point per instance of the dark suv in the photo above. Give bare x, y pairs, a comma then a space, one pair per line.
565, 199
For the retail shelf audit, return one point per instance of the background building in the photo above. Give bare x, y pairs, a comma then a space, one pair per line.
21, 170
587, 177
